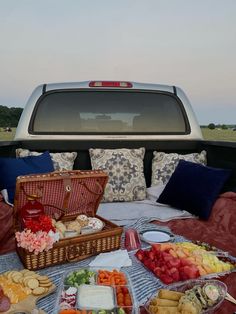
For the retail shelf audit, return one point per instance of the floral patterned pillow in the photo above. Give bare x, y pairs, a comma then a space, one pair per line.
124, 167
61, 161
163, 165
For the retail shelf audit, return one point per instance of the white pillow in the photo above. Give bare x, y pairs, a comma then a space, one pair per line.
61, 161
124, 167
163, 165
153, 192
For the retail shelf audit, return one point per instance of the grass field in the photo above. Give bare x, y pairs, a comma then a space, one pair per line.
219, 135
7, 136
216, 135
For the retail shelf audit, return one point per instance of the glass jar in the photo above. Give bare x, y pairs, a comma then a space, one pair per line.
31, 210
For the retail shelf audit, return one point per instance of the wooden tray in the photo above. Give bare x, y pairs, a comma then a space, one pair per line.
28, 304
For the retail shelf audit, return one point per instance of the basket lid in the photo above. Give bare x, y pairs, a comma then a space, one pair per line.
72, 193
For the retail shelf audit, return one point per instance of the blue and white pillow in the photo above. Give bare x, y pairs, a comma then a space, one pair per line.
124, 167
163, 164
61, 161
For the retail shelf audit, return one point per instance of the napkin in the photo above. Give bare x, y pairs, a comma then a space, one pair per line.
114, 259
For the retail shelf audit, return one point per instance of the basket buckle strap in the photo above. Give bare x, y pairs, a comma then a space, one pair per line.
67, 191
77, 252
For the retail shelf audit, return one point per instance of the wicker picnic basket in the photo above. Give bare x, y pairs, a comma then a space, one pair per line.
67, 194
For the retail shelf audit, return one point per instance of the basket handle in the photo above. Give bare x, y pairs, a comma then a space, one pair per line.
93, 192
39, 192
63, 210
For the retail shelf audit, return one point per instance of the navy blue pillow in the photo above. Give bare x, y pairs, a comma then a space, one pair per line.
194, 188
11, 168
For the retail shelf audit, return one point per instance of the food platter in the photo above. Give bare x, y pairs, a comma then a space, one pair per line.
205, 295
21, 289
180, 261
95, 291
156, 236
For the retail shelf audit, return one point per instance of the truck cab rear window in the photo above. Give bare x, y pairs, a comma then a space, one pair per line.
109, 112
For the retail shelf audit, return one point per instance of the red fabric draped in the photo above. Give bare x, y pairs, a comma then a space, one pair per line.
219, 230
7, 242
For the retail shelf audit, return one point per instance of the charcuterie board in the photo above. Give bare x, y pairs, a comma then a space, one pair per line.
20, 291
29, 304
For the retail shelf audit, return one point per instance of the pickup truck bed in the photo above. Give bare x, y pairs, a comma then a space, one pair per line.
219, 230
219, 154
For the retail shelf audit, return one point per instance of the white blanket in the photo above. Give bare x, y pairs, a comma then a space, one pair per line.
124, 213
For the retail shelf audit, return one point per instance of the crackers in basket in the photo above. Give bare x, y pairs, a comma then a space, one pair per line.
17, 285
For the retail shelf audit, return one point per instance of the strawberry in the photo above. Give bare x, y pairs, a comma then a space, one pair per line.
157, 271
151, 255
182, 274
166, 279
156, 247
174, 262
146, 262
191, 271
185, 262
140, 255
172, 270
163, 269
152, 266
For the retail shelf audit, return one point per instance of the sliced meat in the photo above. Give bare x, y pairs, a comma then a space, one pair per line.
5, 303
1, 292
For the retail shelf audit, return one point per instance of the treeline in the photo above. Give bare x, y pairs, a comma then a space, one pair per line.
9, 117
213, 126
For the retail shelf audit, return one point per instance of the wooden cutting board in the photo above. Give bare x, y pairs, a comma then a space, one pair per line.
28, 304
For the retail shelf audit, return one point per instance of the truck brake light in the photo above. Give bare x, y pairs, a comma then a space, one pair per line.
110, 84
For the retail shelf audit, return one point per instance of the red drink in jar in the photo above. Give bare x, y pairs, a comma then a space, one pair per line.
31, 210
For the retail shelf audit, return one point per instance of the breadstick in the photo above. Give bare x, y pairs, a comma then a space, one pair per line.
170, 295
165, 302
167, 310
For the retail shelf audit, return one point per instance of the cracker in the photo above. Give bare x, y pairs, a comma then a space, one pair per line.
30, 272
44, 281
27, 290
24, 271
16, 278
26, 279
42, 278
45, 285
38, 291
31, 275
11, 273
32, 283
21, 280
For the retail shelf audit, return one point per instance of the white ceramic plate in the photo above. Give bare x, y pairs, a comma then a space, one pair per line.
156, 236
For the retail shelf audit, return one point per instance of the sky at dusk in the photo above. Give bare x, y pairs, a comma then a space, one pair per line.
187, 43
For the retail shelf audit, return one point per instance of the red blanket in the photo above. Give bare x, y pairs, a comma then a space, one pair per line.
7, 242
219, 230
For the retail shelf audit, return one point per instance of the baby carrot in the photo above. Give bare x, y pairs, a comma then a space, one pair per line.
68, 311
111, 277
